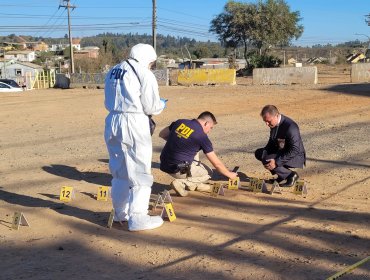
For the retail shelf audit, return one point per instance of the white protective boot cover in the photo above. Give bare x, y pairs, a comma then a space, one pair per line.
120, 200
138, 212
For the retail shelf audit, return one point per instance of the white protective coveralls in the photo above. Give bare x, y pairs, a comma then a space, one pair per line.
130, 98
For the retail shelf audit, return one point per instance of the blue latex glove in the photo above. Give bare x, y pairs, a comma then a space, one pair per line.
164, 101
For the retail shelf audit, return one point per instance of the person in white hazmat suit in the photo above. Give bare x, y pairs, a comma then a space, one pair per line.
131, 96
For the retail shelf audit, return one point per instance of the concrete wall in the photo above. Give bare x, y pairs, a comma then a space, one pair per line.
206, 76
360, 73
162, 76
88, 80
285, 76
96, 80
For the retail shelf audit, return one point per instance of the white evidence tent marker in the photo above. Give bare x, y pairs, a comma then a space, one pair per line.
19, 219
165, 202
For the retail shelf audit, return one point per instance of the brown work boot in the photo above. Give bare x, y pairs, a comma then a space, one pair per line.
179, 187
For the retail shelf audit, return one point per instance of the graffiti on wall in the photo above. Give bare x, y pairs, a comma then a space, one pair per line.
360, 73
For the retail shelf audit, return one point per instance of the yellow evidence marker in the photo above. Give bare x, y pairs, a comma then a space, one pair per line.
168, 212
217, 189
19, 219
66, 194
234, 184
257, 185
103, 193
300, 188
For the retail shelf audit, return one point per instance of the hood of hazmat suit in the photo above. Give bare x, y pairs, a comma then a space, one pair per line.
144, 54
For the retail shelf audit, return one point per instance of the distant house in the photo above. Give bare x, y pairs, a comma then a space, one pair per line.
167, 62
39, 46
7, 47
60, 47
18, 71
87, 52
16, 42
190, 64
24, 56
214, 64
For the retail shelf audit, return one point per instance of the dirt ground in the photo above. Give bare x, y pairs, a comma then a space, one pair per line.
54, 138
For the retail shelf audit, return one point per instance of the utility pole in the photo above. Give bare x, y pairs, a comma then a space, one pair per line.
68, 7
154, 25
191, 62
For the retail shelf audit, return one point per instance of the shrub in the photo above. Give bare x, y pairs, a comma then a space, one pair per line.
259, 61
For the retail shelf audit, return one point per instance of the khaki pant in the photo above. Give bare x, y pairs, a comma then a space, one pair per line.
200, 173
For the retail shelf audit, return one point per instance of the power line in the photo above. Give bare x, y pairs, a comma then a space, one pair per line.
181, 13
18, 15
46, 24
112, 25
26, 5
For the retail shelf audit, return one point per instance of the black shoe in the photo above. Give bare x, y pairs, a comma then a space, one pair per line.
271, 181
290, 180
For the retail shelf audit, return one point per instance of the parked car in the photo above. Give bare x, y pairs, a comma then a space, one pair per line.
10, 82
7, 88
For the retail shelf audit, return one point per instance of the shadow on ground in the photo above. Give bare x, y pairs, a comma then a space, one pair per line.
353, 89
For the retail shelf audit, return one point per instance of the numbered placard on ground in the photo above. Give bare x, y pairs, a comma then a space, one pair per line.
300, 188
103, 193
19, 219
217, 189
234, 184
257, 185
168, 212
66, 194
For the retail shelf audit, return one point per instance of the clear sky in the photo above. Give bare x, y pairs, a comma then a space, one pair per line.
324, 21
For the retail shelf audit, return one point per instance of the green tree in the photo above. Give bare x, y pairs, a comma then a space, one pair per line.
43, 57
235, 25
275, 25
202, 51
267, 23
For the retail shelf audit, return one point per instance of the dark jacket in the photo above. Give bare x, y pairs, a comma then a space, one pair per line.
286, 142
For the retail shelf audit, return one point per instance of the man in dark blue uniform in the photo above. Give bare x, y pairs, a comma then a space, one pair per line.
180, 155
284, 149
